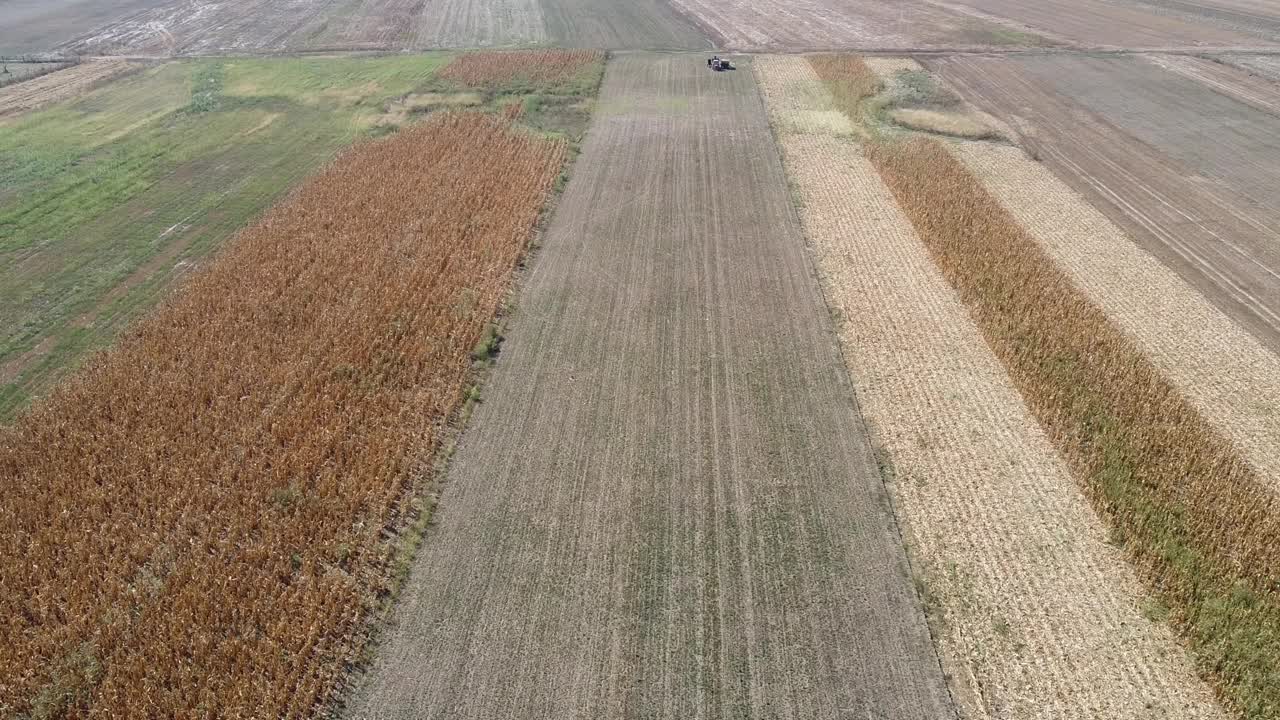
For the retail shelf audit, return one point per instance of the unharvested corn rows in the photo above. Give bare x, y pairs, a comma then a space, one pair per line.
498, 69
1202, 526
197, 523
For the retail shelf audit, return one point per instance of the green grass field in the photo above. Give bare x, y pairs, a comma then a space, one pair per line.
107, 198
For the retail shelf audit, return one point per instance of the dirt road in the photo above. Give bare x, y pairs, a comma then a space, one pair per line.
667, 506
1180, 165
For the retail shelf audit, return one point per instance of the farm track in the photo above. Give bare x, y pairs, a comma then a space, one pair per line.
1204, 214
56, 86
1230, 378
665, 506
1015, 561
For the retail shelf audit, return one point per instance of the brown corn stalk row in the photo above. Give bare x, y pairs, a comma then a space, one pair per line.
197, 523
496, 69
1203, 528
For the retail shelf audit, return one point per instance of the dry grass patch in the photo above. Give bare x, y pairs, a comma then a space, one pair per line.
199, 522
1201, 526
943, 123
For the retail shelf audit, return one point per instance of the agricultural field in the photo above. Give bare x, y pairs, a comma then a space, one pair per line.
107, 198
376, 359
1118, 394
1011, 559
664, 504
1179, 153
227, 482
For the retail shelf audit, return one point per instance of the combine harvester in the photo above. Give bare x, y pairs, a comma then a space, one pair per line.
718, 63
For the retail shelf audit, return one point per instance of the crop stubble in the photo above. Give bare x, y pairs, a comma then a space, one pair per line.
1232, 380
664, 506
1035, 614
1197, 519
199, 519
56, 86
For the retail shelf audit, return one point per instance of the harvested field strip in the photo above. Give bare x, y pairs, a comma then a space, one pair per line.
542, 68
1222, 369
200, 518
1036, 615
1201, 526
666, 506
798, 102
60, 85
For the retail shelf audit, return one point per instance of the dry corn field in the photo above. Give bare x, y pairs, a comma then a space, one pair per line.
198, 523
1199, 522
502, 68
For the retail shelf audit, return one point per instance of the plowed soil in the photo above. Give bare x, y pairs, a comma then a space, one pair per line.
1183, 169
822, 24
1104, 24
621, 24
1036, 615
35, 26
665, 506
1255, 17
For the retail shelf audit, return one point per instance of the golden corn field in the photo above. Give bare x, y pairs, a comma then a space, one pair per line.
1202, 527
197, 523
494, 69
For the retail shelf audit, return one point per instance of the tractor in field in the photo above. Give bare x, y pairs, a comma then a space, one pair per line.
718, 63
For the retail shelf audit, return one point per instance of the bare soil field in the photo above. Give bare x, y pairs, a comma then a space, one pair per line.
1036, 614
1183, 169
475, 23
818, 24
1267, 66
621, 24
219, 26
665, 505
35, 26
1262, 93
1254, 17
1104, 24
256, 26
56, 86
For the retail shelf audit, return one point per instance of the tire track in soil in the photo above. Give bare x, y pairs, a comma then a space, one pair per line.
666, 507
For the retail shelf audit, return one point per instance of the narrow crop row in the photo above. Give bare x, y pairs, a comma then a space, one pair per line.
1203, 528
198, 522
501, 68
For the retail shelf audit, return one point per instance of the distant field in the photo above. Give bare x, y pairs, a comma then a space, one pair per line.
1183, 160
105, 198
29, 26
